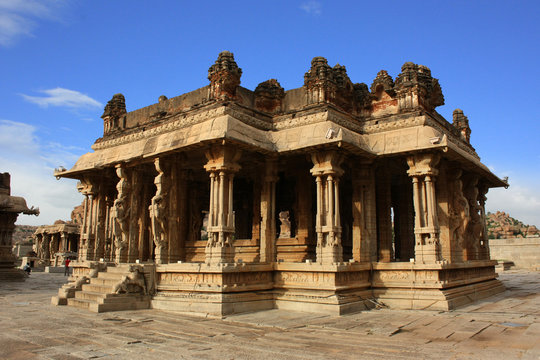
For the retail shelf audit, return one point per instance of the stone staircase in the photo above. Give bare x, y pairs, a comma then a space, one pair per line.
100, 295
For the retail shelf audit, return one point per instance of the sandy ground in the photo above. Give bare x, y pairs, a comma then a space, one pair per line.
506, 326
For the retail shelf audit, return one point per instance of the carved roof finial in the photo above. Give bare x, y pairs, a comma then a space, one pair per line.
382, 82
224, 76
268, 95
461, 122
419, 76
116, 107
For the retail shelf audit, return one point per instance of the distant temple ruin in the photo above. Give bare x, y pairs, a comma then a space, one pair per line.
59, 241
325, 198
10, 208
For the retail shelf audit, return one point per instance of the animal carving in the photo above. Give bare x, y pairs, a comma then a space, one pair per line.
133, 282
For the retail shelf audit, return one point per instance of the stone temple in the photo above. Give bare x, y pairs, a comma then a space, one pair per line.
328, 198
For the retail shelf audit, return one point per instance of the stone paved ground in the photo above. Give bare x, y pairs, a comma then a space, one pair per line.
506, 326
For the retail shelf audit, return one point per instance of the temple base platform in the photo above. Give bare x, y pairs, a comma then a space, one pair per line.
334, 289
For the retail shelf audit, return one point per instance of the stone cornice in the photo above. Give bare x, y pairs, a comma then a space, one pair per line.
179, 123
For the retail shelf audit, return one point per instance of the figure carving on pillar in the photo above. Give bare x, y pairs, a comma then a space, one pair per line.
120, 215
475, 229
159, 213
459, 211
285, 227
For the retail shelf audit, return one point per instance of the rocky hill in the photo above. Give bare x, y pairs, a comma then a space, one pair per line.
502, 225
22, 232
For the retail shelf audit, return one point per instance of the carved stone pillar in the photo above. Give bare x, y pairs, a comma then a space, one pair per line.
83, 245
364, 214
99, 232
54, 245
222, 165
159, 211
179, 218
63, 246
327, 171
475, 230
109, 233
120, 215
46, 248
268, 213
136, 201
384, 215
90, 189
484, 241
423, 171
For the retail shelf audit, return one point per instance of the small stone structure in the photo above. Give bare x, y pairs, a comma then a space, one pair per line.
10, 208
325, 198
54, 243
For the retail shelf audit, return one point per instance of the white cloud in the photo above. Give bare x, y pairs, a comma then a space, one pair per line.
31, 166
63, 97
18, 17
519, 201
312, 7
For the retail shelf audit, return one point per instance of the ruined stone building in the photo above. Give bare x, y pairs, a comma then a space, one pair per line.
54, 243
59, 241
10, 208
323, 198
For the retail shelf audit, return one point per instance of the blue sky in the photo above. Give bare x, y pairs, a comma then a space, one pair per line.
61, 61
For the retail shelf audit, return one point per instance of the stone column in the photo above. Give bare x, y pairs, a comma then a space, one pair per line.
268, 213
54, 246
46, 248
90, 237
109, 243
120, 215
423, 171
159, 211
484, 241
63, 241
364, 214
222, 165
384, 216
90, 189
136, 202
326, 171
99, 228
83, 248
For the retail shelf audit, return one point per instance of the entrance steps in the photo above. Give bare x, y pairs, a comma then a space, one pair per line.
112, 290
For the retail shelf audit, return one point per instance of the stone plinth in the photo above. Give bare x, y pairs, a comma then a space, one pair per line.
439, 286
214, 289
323, 288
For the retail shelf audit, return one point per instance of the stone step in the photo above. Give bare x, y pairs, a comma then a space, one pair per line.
110, 275
106, 281
79, 303
90, 295
117, 269
123, 304
104, 289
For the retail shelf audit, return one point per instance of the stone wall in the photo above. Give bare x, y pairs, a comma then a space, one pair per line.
524, 252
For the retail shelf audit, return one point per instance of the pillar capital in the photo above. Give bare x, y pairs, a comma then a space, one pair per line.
423, 164
327, 163
222, 157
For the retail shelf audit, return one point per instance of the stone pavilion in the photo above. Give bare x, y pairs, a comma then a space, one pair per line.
331, 197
